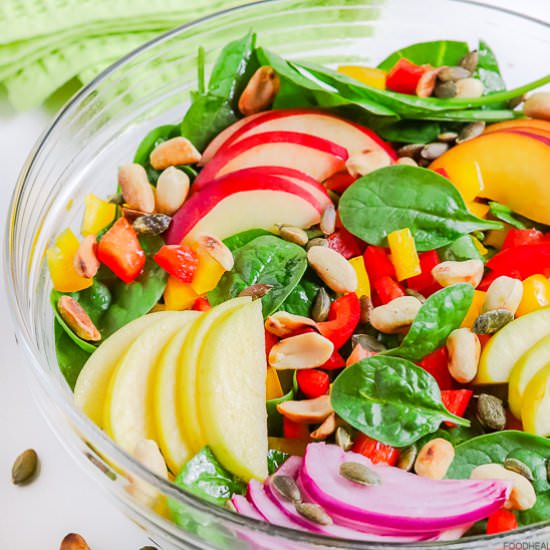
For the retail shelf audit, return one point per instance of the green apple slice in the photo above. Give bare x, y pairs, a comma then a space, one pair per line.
231, 392
175, 449
505, 348
528, 365
92, 383
535, 411
128, 414
186, 376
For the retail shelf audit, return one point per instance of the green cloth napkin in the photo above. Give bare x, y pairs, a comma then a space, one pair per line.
46, 43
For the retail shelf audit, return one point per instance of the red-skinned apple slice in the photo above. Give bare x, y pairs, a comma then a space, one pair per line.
316, 157
235, 203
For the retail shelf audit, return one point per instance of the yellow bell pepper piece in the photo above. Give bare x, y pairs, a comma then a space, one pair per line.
478, 209
274, 389
479, 245
208, 274
178, 295
475, 309
403, 254
536, 294
97, 215
367, 75
363, 284
60, 259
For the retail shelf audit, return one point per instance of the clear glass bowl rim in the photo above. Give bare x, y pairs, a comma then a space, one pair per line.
87, 427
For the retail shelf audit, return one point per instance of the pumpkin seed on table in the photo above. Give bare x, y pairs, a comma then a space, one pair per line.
490, 412
516, 465
492, 321
359, 473
258, 290
434, 150
151, 224
321, 306
343, 438
471, 131
25, 467
407, 458
313, 512
287, 488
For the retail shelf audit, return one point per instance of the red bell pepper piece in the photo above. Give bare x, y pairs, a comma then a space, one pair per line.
120, 251
343, 317
436, 364
455, 402
294, 430
520, 237
525, 260
345, 243
178, 260
501, 521
388, 289
442, 172
377, 263
335, 361
201, 304
312, 382
425, 283
375, 451
339, 182
270, 341
403, 77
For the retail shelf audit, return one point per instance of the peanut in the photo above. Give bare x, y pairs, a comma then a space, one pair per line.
396, 315
451, 273
283, 324
77, 319
464, 350
361, 164
172, 190
174, 152
217, 250
136, 189
326, 429
538, 106
522, 495
333, 269
434, 458
504, 293
260, 91
307, 411
85, 260
304, 351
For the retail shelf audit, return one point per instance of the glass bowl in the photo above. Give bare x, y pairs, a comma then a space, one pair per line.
100, 129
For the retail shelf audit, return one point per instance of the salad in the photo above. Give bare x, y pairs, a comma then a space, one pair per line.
322, 299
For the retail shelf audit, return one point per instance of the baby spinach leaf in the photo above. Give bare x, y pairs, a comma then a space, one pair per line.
442, 312
300, 300
495, 447
488, 70
275, 460
408, 131
456, 435
244, 237
407, 196
390, 399
436, 53
70, 356
268, 260
505, 214
461, 249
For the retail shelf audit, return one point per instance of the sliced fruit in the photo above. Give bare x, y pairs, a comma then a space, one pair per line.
506, 347
524, 123
91, 386
186, 375
169, 432
535, 410
128, 414
231, 391
528, 365
502, 159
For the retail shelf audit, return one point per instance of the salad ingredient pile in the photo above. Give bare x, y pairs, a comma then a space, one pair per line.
323, 300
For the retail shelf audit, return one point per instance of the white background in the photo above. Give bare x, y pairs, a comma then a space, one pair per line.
63, 498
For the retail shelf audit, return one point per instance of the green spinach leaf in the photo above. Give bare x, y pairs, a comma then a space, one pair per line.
461, 249
488, 70
390, 399
300, 300
275, 460
244, 237
495, 447
407, 131
268, 260
70, 356
456, 435
407, 196
442, 312
505, 214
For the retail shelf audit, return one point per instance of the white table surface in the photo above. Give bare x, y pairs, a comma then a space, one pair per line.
63, 499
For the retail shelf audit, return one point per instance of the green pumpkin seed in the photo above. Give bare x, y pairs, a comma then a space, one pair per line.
151, 224
368, 342
313, 512
453, 73
433, 150
515, 465
359, 473
104, 469
258, 290
490, 412
321, 306
407, 458
25, 467
343, 438
515, 101
492, 321
470, 61
410, 150
447, 137
287, 488
317, 241
117, 199
471, 131
445, 90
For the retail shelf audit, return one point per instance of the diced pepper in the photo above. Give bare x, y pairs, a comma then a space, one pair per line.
334, 362
403, 77
345, 243
375, 451
178, 260
343, 317
478, 209
201, 304
375, 78
519, 237
425, 283
358, 353
273, 384
403, 254
363, 284
456, 402
387, 289
312, 382
377, 263
98, 214
120, 251
483, 339
526, 260
60, 258
294, 430
436, 364
479, 245
501, 521
178, 295
270, 341
339, 182
208, 274
474, 310
536, 294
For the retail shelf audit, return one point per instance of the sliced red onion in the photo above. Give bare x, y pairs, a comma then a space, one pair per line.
246, 508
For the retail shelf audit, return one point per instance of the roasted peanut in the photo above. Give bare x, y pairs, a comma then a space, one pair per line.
451, 273
326, 429
136, 189
172, 190
307, 411
174, 152
360, 164
464, 350
396, 315
503, 293
538, 106
77, 319
304, 351
333, 269
260, 92
469, 88
217, 250
522, 495
85, 260
434, 458
283, 324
